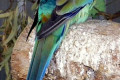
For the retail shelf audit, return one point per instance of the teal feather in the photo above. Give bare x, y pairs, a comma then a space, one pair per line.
50, 33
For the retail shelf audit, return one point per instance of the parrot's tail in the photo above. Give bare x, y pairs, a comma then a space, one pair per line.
43, 52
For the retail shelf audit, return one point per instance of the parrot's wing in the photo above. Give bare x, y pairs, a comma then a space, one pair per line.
65, 9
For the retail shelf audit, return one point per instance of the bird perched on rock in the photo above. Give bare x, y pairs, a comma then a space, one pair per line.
52, 21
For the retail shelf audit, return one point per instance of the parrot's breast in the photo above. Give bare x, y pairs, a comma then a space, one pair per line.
45, 10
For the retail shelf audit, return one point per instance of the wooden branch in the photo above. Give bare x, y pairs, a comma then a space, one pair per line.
108, 16
10, 6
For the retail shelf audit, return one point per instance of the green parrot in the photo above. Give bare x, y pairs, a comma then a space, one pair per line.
52, 21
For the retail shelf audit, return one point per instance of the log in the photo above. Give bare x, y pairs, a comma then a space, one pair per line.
90, 51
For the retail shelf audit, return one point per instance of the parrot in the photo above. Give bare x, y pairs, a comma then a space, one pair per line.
52, 21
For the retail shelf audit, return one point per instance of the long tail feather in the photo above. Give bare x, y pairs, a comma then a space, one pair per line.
43, 52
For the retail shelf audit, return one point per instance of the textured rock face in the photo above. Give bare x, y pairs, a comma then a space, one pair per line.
90, 51
20, 59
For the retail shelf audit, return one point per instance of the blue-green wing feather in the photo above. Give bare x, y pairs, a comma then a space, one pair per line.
54, 30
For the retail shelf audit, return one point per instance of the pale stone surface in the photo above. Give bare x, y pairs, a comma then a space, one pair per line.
20, 56
90, 51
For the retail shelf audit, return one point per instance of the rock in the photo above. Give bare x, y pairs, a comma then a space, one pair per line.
21, 55
90, 51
